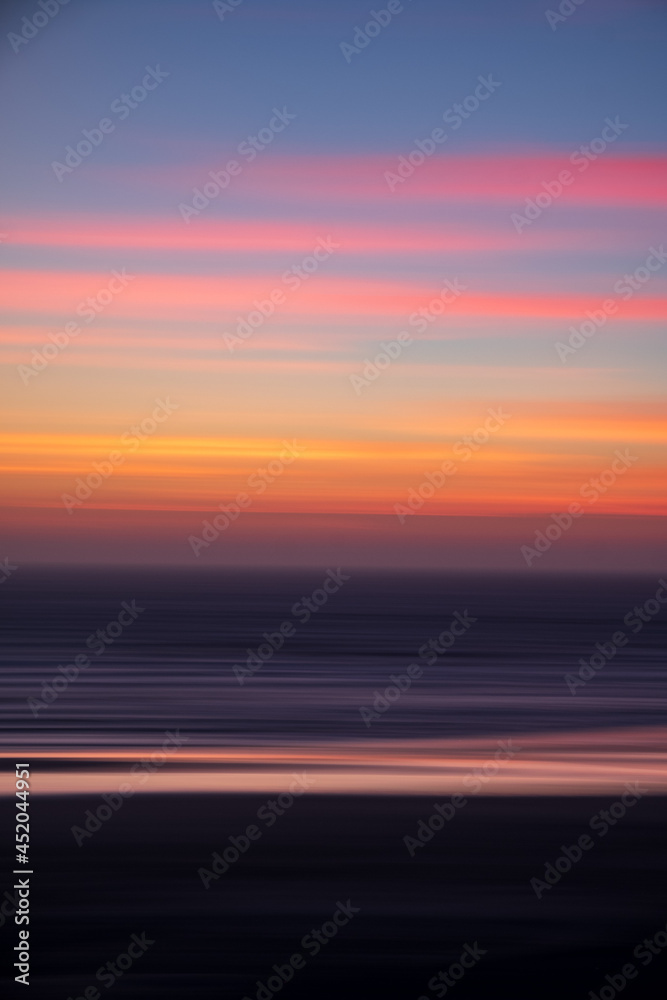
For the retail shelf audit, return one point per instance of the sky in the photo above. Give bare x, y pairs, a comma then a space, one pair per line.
470, 194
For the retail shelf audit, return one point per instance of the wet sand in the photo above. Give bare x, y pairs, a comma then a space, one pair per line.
469, 884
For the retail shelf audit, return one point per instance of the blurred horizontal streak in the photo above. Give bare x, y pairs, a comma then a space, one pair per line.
574, 763
492, 176
218, 299
247, 235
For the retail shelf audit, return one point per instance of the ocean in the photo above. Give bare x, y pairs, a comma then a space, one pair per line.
227, 765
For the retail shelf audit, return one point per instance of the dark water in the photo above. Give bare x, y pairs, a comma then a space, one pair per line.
172, 668
469, 884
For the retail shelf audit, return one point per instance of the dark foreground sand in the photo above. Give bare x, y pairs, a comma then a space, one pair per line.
139, 874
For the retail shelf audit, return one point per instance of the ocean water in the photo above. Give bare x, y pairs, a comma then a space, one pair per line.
177, 664
137, 869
